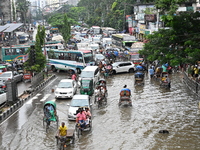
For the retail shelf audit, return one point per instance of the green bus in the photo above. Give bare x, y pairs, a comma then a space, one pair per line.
13, 52
123, 40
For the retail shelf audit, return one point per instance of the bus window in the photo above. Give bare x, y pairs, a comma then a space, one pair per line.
14, 52
8, 52
18, 51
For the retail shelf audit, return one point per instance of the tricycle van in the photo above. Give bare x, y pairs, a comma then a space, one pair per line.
125, 97
139, 78
64, 142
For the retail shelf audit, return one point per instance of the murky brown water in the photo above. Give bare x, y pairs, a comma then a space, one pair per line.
115, 128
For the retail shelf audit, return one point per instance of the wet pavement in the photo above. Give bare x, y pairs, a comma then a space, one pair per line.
114, 127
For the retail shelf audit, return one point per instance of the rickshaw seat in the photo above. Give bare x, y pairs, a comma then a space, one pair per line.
125, 93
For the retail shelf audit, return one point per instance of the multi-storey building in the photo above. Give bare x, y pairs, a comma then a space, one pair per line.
6, 15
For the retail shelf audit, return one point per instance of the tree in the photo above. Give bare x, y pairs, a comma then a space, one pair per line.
177, 45
40, 59
66, 30
22, 6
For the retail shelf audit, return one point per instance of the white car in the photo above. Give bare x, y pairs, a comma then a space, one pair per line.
8, 75
76, 102
123, 67
3, 97
66, 88
98, 58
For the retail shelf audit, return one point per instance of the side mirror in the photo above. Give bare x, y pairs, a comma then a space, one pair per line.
91, 104
68, 104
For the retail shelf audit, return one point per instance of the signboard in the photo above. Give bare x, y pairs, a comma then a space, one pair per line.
181, 9
150, 17
127, 17
129, 38
141, 16
142, 28
134, 23
130, 22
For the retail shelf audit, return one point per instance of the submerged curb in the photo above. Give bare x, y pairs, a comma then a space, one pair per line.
20, 102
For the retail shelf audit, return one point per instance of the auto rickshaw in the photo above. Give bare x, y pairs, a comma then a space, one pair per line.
165, 81
87, 86
139, 78
50, 114
101, 92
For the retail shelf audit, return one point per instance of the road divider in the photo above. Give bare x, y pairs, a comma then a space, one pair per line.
22, 99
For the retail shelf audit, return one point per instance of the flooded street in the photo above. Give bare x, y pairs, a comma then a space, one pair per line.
114, 127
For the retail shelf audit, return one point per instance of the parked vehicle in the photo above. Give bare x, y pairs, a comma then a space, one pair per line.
3, 97
27, 77
9, 75
123, 67
76, 102
66, 88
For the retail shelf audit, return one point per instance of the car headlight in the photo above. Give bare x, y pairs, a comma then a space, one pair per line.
70, 92
56, 92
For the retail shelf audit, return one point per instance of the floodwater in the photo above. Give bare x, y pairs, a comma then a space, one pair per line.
114, 127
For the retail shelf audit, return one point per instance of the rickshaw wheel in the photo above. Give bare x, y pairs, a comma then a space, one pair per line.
98, 104
57, 121
73, 139
90, 125
76, 128
43, 121
79, 132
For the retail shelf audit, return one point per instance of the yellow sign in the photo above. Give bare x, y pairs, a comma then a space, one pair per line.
142, 28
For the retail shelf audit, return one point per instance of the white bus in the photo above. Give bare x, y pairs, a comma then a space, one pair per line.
66, 60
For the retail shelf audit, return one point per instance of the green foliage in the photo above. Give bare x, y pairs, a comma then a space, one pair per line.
40, 57
177, 45
22, 6
66, 29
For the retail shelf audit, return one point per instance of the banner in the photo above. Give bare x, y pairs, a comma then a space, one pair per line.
142, 28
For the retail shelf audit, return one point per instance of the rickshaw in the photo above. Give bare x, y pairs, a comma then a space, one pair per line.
101, 92
158, 72
125, 97
50, 114
63, 142
87, 86
165, 82
80, 129
107, 71
139, 78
